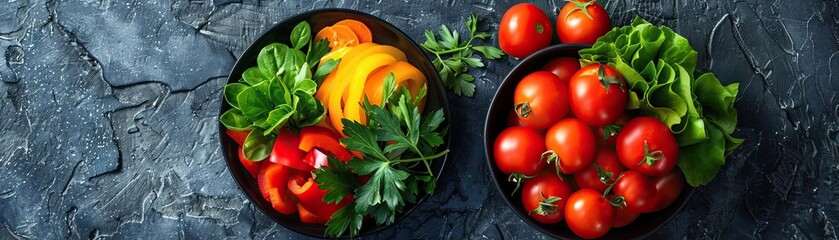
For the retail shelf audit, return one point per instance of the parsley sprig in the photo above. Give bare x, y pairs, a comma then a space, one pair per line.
459, 55
398, 146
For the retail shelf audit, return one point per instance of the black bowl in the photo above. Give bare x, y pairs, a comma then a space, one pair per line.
383, 33
496, 122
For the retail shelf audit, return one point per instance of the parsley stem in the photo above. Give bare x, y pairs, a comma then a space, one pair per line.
410, 160
453, 50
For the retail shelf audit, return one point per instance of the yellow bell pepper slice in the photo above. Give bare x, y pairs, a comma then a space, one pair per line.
356, 72
356, 79
347, 58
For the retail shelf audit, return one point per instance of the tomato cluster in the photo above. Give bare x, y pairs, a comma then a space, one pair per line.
525, 28
580, 156
286, 180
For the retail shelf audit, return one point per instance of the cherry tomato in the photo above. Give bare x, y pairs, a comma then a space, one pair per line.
610, 166
588, 214
598, 94
647, 145
570, 143
541, 99
563, 67
668, 188
582, 21
544, 197
519, 150
286, 151
637, 190
524, 30
623, 217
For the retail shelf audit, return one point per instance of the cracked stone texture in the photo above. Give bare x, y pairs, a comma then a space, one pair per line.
109, 113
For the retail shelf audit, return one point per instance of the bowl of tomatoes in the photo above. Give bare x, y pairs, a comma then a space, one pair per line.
313, 96
570, 160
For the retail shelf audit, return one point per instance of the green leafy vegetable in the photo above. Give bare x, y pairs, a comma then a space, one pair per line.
278, 92
459, 55
398, 145
659, 66
300, 35
257, 146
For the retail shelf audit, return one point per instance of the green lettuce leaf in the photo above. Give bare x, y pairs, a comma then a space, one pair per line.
659, 67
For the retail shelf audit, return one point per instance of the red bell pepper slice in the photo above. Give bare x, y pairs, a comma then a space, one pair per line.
286, 151
238, 136
310, 196
325, 139
307, 216
273, 184
316, 158
252, 167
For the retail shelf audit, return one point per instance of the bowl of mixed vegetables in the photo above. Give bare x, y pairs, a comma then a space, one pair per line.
334, 123
607, 134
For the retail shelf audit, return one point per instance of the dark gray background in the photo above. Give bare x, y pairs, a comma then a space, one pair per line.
109, 113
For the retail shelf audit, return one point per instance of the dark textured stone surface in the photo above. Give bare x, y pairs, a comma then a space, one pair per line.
109, 113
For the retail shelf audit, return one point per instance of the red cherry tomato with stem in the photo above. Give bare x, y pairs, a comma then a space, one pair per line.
524, 29
541, 99
582, 21
570, 145
544, 197
589, 214
646, 145
637, 191
517, 152
598, 94
606, 166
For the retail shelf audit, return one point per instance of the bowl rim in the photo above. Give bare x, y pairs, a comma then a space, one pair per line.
491, 164
294, 19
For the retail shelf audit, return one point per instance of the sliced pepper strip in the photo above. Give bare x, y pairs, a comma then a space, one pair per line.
337, 36
361, 31
325, 139
252, 167
348, 58
405, 75
273, 184
307, 216
356, 85
310, 195
334, 105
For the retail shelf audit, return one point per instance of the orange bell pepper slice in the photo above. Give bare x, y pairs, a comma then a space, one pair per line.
362, 31
347, 69
337, 36
356, 85
405, 75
